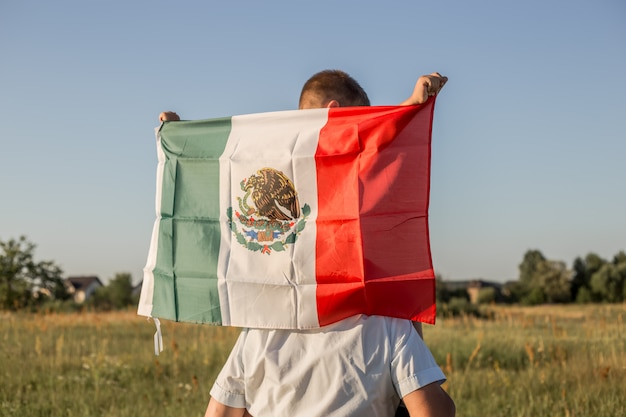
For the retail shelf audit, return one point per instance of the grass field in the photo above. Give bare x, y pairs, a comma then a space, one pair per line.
541, 361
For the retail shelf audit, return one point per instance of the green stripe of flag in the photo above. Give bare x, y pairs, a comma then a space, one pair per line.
189, 229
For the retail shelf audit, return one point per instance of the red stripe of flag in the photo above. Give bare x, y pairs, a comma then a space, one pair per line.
372, 250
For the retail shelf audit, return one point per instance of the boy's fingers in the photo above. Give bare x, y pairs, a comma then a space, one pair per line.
168, 116
435, 83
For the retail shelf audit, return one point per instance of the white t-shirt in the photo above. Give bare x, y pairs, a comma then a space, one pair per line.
362, 365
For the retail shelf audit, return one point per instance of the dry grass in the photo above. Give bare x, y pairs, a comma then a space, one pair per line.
104, 365
535, 361
540, 361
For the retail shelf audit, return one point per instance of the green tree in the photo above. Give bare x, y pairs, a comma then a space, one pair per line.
620, 258
584, 296
23, 281
121, 290
535, 296
116, 295
554, 278
542, 280
607, 284
581, 279
529, 290
529, 266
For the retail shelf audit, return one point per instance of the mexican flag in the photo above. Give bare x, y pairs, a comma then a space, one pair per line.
293, 219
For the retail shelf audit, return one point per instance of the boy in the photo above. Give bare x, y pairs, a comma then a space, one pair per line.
362, 365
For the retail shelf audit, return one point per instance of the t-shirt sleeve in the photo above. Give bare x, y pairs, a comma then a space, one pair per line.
229, 387
412, 365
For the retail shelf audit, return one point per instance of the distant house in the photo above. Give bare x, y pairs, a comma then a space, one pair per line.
471, 288
474, 287
81, 288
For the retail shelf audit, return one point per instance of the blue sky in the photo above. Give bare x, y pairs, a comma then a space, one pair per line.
529, 137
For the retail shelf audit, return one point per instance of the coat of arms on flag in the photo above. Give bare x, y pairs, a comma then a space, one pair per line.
273, 219
293, 219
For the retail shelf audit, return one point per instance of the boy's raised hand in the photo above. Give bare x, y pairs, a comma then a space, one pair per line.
426, 86
168, 116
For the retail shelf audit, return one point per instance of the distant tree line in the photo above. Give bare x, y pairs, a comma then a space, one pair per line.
591, 279
26, 284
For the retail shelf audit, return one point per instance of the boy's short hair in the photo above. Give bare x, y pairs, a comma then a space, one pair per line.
335, 85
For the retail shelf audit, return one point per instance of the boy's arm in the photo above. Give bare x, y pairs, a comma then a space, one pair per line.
217, 409
429, 401
426, 86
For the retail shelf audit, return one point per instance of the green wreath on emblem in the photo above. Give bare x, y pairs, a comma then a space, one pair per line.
279, 245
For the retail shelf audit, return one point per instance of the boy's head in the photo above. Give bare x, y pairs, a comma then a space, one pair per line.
332, 88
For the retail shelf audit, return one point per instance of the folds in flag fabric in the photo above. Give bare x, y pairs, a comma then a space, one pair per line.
293, 219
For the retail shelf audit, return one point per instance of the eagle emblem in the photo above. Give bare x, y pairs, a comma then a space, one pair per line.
274, 218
